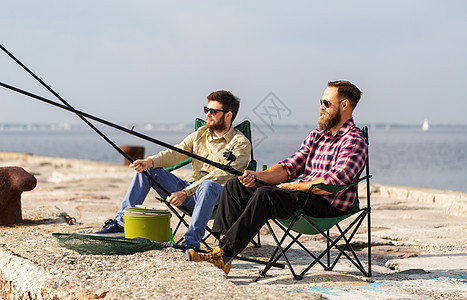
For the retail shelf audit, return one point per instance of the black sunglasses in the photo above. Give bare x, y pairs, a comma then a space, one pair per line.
213, 111
327, 102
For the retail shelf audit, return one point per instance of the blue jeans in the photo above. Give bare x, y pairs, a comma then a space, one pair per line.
202, 202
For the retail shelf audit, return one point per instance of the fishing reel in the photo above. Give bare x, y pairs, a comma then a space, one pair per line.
229, 156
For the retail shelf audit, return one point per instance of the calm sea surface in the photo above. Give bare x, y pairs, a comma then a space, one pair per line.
399, 156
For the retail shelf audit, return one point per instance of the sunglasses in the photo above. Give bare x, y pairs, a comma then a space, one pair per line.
213, 111
327, 102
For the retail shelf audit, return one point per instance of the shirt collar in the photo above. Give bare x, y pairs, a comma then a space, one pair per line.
228, 136
349, 124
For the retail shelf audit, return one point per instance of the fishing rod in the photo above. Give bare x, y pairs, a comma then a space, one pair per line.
226, 168
82, 118
145, 172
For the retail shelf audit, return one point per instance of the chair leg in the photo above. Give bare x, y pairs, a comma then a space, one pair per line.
267, 267
294, 241
178, 225
333, 243
256, 244
328, 268
207, 236
348, 247
174, 211
351, 230
203, 240
279, 247
369, 236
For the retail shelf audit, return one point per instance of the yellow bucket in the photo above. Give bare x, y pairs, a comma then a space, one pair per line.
147, 223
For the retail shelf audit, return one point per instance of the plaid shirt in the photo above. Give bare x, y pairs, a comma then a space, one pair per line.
339, 159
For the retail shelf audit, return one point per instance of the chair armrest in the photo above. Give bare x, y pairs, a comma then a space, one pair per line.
252, 165
336, 188
178, 165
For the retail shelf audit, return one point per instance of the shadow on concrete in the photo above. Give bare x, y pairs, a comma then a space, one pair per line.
35, 222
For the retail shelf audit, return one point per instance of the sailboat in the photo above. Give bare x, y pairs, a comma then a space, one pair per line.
425, 125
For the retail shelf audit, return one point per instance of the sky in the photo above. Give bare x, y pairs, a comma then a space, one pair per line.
156, 61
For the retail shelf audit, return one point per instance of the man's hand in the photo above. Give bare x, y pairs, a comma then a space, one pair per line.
298, 186
141, 164
274, 175
248, 178
287, 185
177, 198
304, 186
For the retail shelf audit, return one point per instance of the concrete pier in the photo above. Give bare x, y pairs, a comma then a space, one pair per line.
419, 247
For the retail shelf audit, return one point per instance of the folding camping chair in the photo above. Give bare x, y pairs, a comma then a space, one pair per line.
300, 223
245, 128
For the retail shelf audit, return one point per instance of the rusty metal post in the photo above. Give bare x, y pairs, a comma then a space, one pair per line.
135, 152
13, 182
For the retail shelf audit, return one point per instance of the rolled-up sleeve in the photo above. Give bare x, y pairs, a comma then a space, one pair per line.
170, 157
295, 164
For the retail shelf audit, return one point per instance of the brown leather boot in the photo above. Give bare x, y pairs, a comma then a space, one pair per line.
213, 256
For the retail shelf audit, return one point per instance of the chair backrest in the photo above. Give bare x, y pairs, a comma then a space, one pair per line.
356, 204
244, 127
367, 167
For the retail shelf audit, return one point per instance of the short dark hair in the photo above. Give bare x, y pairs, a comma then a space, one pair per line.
347, 90
227, 99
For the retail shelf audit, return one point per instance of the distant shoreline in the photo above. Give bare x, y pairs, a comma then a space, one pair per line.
157, 127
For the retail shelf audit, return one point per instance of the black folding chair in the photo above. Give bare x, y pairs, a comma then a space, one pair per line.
300, 223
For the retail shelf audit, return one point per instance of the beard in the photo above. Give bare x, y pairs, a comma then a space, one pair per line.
219, 125
327, 121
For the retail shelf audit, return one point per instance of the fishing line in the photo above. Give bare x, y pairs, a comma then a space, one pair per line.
226, 168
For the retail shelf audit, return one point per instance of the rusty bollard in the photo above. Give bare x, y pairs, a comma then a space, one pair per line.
13, 181
135, 152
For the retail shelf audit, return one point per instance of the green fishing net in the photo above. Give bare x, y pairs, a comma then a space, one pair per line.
103, 245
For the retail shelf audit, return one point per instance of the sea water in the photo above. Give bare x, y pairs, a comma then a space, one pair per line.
399, 155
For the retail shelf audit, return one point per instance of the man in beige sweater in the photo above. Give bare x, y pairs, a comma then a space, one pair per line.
201, 192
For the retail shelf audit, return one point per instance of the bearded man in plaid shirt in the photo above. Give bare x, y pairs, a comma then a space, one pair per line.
334, 154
